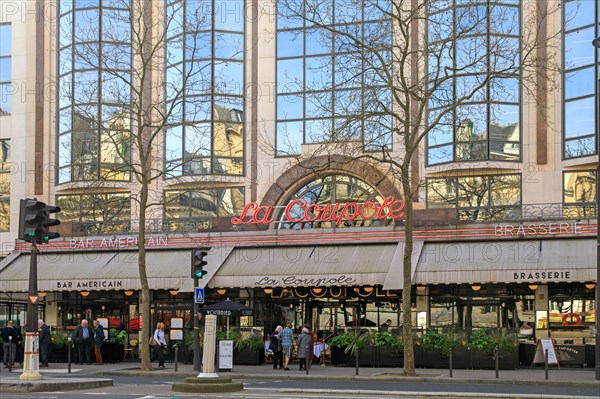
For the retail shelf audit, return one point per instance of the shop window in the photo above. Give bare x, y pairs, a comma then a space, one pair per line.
581, 65
5, 169
481, 198
486, 124
96, 213
5, 69
579, 194
325, 82
193, 210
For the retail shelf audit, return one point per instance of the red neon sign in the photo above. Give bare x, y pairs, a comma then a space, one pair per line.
337, 213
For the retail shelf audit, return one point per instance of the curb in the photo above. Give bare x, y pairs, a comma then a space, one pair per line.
53, 384
440, 379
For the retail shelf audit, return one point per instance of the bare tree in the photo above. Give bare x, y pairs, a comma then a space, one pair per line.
413, 72
127, 109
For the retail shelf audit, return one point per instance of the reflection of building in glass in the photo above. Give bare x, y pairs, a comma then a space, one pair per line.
504, 141
579, 193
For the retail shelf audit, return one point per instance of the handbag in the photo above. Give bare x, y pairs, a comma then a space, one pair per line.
152, 341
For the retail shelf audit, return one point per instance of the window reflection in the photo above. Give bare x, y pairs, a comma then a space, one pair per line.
579, 193
487, 125
477, 197
201, 209
93, 96
96, 213
205, 136
307, 68
5, 69
581, 24
5, 172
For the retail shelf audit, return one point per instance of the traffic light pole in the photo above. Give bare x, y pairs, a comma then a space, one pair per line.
196, 332
31, 365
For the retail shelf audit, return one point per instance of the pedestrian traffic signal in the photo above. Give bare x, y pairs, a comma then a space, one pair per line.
198, 262
35, 221
30, 219
46, 234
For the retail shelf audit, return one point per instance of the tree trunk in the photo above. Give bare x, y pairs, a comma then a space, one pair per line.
407, 332
145, 296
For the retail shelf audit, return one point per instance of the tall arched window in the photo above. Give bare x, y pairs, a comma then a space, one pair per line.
335, 189
94, 66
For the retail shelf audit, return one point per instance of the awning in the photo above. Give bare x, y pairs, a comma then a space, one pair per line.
395, 277
540, 261
99, 271
306, 266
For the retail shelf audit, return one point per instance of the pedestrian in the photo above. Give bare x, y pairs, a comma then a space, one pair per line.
44, 340
9, 335
160, 343
303, 348
276, 348
83, 339
312, 340
20, 355
385, 326
98, 341
286, 337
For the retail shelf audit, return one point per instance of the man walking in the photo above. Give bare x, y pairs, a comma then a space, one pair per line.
82, 337
10, 337
287, 342
44, 340
98, 341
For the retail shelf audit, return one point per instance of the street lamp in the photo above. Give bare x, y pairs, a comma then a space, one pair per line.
596, 44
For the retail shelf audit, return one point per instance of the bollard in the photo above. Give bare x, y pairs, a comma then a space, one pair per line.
469, 365
10, 354
497, 358
450, 358
546, 364
176, 356
69, 355
308, 361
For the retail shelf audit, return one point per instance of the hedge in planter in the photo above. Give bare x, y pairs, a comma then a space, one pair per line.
346, 348
483, 343
59, 345
388, 349
436, 349
248, 347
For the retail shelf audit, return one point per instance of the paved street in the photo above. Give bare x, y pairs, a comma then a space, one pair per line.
325, 382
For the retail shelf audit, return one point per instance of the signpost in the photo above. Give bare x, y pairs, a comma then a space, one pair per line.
199, 295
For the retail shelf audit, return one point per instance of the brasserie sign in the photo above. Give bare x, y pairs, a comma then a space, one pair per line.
299, 210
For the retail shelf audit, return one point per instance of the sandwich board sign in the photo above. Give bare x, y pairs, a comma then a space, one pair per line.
540, 353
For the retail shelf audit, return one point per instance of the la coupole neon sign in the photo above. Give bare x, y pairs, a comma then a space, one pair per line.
337, 213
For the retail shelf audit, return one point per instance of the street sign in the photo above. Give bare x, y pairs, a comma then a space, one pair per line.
199, 295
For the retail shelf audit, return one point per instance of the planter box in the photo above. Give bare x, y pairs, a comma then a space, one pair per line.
484, 360
112, 353
248, 356
590, 355
366, 356
526, 354
433, 358
388, 357
339, 358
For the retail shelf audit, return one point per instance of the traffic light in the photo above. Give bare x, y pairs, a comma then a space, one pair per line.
35, 221
46, 234
30, 219
198, 262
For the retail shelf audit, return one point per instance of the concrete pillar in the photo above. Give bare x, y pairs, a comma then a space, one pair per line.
31, 361
209, 347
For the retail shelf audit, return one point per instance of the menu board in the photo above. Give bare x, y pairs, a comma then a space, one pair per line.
544, 345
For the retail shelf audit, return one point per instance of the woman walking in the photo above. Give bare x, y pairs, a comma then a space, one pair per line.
160, 343
303, 348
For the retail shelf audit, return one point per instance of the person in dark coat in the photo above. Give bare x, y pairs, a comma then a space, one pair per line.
304, 348
83, 339
44, 340
276, 347
98, 341
10, 345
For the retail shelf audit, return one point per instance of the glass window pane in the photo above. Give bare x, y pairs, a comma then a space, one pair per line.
289, 14
199, 14
473, 192
290, 76
577, 83
505, 190
318, 131
174, 19
290, 43
318, 105
578, 51
318, 73
198, 75
87, 25
229, 15
504, 90
472, 122
290, 106
229, 46
504, 20
578, 13
504, 122
229, 77
64, 150
439, 155
198, 46
580, 147
505, 151
5, 72
579, 187
441, 193
116, 26
174, 143
65, 62
290, 135
86, 89
377, 133
318, 41
66, 30
348, 102
64, 120
197, 109
348, 71
579, 118
5, 39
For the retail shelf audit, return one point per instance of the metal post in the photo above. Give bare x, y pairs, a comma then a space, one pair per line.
546, 364
176, 355
596, 44
450, 358
10, 354
31, 361
69, 354
497, 358
196, 332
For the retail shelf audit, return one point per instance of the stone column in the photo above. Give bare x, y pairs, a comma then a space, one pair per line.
31, 361
209, 347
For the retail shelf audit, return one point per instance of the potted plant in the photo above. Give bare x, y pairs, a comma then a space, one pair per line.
483, 344
388, 349
113, 350
248, 348
436, 347
59, 341
187, 349
347, 346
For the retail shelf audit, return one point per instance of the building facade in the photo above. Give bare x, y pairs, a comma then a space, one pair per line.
265, 121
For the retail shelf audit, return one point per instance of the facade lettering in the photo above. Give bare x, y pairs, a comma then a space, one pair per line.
300, 281
89, 284
542, 276
117, 242
539, 229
